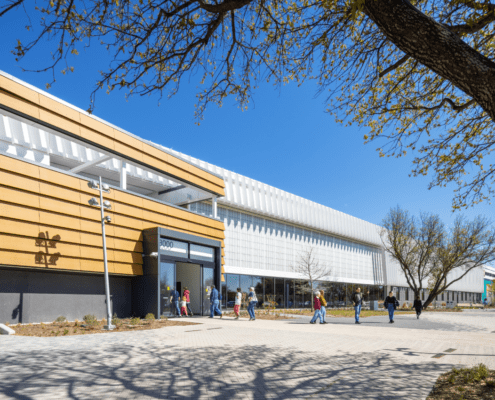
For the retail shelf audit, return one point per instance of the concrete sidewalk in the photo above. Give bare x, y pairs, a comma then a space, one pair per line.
229, 359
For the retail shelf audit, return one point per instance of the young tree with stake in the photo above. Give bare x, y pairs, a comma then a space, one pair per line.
309, 267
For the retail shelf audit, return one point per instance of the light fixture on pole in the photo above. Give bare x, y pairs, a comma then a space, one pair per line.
103, 205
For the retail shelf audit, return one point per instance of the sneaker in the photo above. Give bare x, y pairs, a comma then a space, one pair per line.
417, 316
357, 322
210, 317
221, 315
250, 319
324, 322
312, 322
392, 322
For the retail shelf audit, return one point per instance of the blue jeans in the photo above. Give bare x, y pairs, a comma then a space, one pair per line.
250, 309
214, 308
316, 316
391, 310
176, 306
357, 310
323, 312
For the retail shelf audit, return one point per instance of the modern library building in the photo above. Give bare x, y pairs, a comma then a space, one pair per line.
176, 222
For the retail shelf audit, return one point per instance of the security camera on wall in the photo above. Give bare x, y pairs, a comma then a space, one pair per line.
108, 219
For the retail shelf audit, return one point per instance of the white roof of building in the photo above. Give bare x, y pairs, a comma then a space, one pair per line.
259, 198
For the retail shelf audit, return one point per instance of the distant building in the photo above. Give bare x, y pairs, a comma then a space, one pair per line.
488, 282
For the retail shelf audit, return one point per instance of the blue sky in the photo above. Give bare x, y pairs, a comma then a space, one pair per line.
285, 139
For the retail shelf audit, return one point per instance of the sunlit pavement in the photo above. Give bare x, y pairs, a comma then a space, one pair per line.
229, 359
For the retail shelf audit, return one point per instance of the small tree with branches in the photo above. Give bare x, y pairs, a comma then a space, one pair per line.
432, 257
309, 267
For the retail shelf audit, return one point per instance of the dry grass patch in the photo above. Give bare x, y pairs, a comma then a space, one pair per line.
465, 384
91, 326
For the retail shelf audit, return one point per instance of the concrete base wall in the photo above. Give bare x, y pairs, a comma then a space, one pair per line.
41, 296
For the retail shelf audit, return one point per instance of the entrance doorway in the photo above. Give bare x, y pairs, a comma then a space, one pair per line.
189, 275
179, 275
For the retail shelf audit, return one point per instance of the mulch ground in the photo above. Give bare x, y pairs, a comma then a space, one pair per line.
476, 383
78, 328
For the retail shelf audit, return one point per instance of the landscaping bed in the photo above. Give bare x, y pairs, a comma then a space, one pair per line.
465, 384
90, 326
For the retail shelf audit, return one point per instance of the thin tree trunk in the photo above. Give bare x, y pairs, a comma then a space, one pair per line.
436, 47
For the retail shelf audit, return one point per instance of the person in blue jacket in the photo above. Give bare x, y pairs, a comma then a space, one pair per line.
214, 302
174, 299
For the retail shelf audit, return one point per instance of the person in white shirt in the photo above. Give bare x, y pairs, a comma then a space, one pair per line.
238, 300
183, 307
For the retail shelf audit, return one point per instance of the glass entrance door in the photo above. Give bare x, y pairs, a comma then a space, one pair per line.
167, 287
206, 289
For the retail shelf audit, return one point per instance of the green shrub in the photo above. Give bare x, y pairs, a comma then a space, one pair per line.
150, 317
164, 317
61, 319
90, 320
116, 320
135, 321
66, 331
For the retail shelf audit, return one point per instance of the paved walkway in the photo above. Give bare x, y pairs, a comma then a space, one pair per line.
228, 359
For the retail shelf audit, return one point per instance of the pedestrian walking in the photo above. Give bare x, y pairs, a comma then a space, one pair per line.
187, 295
317, 305
174, 301
418, 306
357, 299
237, 304
485, 303
323, 304
183, 307
253, 300
214, 301
391, 304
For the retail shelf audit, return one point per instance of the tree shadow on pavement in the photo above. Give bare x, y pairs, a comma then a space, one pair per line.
153, 370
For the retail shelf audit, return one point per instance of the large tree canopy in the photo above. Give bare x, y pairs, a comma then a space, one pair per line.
433, 257
418, 74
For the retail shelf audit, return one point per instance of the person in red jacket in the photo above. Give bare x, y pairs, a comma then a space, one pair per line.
317, 309
188, 301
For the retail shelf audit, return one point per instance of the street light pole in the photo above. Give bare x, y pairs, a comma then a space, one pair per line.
109, 325
103, 205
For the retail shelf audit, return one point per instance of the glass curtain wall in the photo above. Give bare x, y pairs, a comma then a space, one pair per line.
293, 293
223, 288
246, 283
279, 292
269, 293
232, 285
290, 293
258, 289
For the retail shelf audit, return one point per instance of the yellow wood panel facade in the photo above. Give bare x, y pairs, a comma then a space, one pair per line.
46, 222
50, 111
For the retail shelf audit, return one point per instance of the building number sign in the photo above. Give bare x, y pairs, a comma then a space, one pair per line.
166, 244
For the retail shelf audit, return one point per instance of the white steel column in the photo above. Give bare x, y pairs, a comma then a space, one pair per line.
123, 175
214, 204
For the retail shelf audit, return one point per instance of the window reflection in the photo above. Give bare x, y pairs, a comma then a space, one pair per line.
246, 283
279, 293
269, 298
258, 289
232, 285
